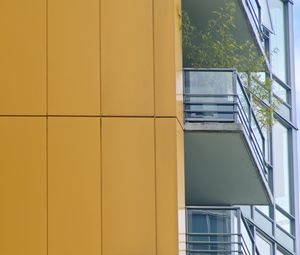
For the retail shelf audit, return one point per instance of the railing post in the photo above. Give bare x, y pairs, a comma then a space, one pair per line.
250, 120
234, 83
264, 156
185, 82
239, 232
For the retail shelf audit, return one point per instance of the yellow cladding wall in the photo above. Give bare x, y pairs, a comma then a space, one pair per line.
128, 174
23, 185
127, 57
91, 137
73, 57
23, 57
74, 186
164, 58
168, 59
166, 185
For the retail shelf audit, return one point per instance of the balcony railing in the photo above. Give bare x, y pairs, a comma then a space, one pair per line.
217, 95
218, 230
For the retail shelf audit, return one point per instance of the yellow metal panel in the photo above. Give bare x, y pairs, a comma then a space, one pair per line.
23, 57
127, 57
181, 190
23, 215
165, 72
180, 166
166, 186
74, 204
128, 176
74, 58
178, 61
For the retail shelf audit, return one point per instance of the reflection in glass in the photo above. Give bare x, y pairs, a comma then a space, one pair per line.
263, 246
267, 147
277, 40
280, 91
209, 94
284, 238
264, 209
283, 221
266, 17
209, 83
263, 222
211, 230
284, 111
281, 166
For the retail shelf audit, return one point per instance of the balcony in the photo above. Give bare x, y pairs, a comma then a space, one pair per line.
251, 18
218, 231
224, 145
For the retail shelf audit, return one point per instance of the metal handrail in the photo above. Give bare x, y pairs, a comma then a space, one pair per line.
248, 101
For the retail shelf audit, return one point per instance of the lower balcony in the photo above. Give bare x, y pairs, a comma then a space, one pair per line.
218, 231
224, 145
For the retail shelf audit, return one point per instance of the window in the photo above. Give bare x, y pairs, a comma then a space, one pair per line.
280, 91
281, 166
283, 221
277, 40
266, 17
279, 252
264, 247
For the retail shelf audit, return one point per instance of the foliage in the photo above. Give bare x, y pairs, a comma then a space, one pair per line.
216, 47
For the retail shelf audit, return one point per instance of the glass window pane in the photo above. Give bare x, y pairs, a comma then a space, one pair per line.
263, 222
283, 221
284, 239
277, 40
280, 91
264, 209
284, 111
246, 210
266, 18
263, 246
267, 144
278, 252
281, 166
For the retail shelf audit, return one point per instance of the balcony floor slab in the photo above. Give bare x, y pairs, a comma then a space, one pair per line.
220, 167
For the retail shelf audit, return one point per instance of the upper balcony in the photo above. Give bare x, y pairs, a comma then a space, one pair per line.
251, 19
224, 145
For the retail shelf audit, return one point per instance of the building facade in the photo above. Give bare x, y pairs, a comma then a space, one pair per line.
273, 228
110, 144
91, 127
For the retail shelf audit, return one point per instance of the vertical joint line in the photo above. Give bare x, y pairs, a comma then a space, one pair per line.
46, 44
155, 187
47, 142
100, 73
101, 189
153, 64
47, 189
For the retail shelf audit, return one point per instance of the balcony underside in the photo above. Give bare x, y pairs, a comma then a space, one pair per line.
220, 167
